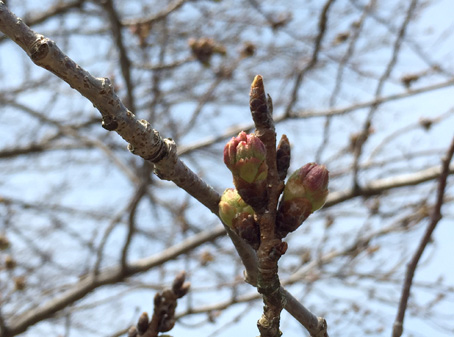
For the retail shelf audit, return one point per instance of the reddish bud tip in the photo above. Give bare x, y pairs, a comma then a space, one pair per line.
305, 192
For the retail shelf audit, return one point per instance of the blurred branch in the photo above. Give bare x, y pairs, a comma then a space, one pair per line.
381, 185
364, 134
159, 16
107, 276
313, 114
322, 24
125, 63
134, 203
340, 74
68, 130
434, 219
59, 8
373, 102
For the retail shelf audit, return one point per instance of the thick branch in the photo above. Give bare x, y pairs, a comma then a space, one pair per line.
143, 140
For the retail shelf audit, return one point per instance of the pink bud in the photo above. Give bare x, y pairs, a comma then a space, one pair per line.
305, 192
309, 182
245, 156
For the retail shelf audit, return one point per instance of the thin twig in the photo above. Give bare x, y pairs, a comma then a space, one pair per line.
434, 219
163, 318
125, 62
365, 132
322, 24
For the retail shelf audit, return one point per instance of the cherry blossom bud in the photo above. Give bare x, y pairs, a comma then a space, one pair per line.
231, 205
305, 192
247, 229
239, 216
245, 157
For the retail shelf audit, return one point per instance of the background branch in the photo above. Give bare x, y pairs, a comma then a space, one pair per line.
434, 220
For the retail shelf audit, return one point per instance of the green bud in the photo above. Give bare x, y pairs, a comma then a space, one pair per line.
231, 205
309, 182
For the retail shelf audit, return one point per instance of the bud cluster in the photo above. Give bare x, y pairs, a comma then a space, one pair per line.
305, 192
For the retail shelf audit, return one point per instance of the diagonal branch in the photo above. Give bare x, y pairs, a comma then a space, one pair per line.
143, 140
107, 276
322, 25
434, 219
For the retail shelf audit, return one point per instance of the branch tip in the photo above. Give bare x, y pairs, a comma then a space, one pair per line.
257, 82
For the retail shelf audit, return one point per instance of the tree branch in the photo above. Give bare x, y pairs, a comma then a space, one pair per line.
271, 247
143, 140
107, 276
434, 219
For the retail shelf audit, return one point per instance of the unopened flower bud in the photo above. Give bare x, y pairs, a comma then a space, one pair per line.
231, 205
142, 324
10, 263
19, 283
239, 216
245, 157
305, 192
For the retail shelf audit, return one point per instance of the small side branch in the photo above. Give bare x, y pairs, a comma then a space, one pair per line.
411, 267
163, 318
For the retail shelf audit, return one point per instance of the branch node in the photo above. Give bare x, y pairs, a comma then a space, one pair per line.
39, 49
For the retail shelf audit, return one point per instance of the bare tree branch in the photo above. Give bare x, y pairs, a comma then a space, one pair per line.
108, 276
413, 264
143, 140
125, 63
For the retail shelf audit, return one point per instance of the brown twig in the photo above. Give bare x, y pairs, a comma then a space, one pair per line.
163, 318
434, 219
322, 24
271, 247
125, 62
365, 132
